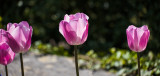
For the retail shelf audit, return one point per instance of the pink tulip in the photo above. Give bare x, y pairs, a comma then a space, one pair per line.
22, 34
6, 53
137, 37
74, 28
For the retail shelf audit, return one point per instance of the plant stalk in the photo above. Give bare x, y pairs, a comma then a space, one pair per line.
76, 60
139, 69
22, 67
6, 70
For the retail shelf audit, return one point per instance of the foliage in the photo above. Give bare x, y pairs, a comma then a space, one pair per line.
123, 62
0, 22
39, 47
107, 24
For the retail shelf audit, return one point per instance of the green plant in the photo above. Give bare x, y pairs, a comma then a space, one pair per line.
123, 62
120, 61
39, 47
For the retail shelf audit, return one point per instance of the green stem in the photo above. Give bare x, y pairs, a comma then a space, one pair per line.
22, 68
76, 60
139, 69
6, 70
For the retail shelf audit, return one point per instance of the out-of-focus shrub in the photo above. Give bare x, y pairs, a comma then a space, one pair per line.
122, 62
107, 24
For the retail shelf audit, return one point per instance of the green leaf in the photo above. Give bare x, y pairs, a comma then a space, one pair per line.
112, 50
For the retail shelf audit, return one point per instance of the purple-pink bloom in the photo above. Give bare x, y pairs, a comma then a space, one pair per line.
137, 37
6, 53
74, 28
22, 34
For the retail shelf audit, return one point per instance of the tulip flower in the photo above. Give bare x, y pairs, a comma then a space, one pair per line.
6, 53
74, 29
137, 40
22, 34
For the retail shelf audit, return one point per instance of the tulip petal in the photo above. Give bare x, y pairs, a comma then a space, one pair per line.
25, 33
16, 35
61, 27
84, 16
71, 38
81, 27
131, 37
6, 37
2, 36
81, 15
65, 25
11, 27
24, 23
66, 18
71, 17
19, 37
144, 28
13, 43
138, 34
65, 30
25, 30
3, 53
130, 40
136, 40
10, 56
131, 29
6, 54
144, 40
28, 43
73, 25
23, 39
78, 15
85, 35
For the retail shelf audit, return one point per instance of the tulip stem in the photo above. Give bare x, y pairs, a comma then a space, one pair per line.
6, 70
139, 69
76, 60
22, 68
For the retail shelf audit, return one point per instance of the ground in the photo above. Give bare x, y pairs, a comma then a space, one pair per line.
48, 65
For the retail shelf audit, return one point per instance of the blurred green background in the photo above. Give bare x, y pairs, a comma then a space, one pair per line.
108, 20
107, 24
